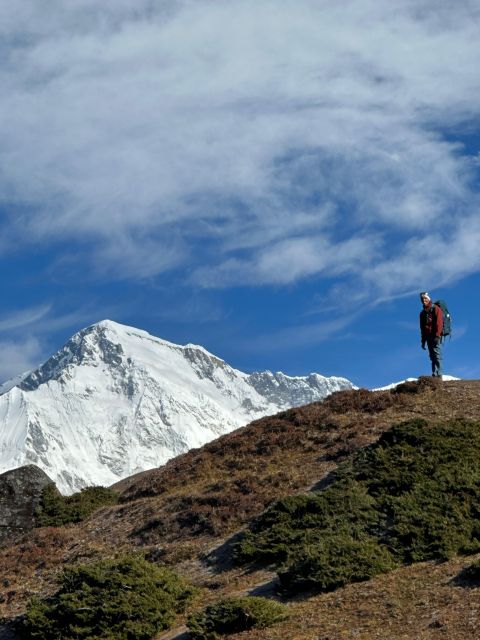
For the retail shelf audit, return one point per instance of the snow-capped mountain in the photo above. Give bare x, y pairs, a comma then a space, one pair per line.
115, 400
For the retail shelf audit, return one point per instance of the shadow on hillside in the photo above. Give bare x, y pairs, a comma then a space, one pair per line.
324, 482
468, 578
220, 558
7, 633
270, 589
174, 634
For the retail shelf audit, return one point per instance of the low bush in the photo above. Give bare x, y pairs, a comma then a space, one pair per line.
360, 400
56, 510
423, 384
320, 541
426, 486
123, 599
335, 561
412, 496
298, 523
233, 615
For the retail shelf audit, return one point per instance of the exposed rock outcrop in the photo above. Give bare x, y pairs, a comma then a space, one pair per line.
20, 493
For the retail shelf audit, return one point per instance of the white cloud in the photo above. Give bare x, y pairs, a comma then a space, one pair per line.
290, 260
19, 356
432, 261
247, 142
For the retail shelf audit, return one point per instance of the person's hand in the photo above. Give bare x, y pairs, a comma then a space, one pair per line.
423, 346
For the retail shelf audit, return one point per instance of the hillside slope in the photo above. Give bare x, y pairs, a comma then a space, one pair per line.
186, 512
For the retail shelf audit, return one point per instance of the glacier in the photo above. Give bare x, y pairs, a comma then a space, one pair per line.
115, 400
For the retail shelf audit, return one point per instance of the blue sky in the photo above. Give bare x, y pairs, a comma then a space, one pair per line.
273, 180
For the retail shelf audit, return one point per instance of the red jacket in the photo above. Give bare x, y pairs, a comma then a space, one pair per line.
431, 321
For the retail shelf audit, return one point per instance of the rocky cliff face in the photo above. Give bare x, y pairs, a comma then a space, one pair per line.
115, 401
20, 493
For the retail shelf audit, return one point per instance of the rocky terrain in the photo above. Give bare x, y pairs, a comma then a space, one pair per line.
20, 494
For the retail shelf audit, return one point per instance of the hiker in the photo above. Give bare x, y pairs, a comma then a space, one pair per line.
431, 328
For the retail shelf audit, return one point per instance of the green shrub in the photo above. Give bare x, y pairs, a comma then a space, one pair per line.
426, 485
335, 561
412, 496
232, 615
320, 541
299, 523
55, 510
123, 599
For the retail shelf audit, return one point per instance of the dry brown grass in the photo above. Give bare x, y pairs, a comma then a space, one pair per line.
420, 602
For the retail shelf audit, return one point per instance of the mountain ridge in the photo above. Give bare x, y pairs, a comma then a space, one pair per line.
115, 400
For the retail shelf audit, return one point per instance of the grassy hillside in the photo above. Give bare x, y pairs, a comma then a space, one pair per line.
188, 515
412, 496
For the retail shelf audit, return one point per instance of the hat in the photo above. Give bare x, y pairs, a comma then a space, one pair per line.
424, 293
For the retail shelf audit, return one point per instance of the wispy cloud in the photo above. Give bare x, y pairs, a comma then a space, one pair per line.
290, 260
301, 336
244, 142
46, 319
19, 356
437, 259
23, 318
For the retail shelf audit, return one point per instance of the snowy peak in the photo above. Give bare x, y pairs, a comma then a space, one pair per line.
115, 400
87, 347
99, 344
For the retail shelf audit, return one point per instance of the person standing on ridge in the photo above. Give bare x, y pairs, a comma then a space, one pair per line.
431, 327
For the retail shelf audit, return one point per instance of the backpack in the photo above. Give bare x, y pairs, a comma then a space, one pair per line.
447, 319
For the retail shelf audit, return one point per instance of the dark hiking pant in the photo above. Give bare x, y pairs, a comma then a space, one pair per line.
435, 353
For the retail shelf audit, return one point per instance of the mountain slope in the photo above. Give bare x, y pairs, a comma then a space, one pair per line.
116, 400
186, 513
